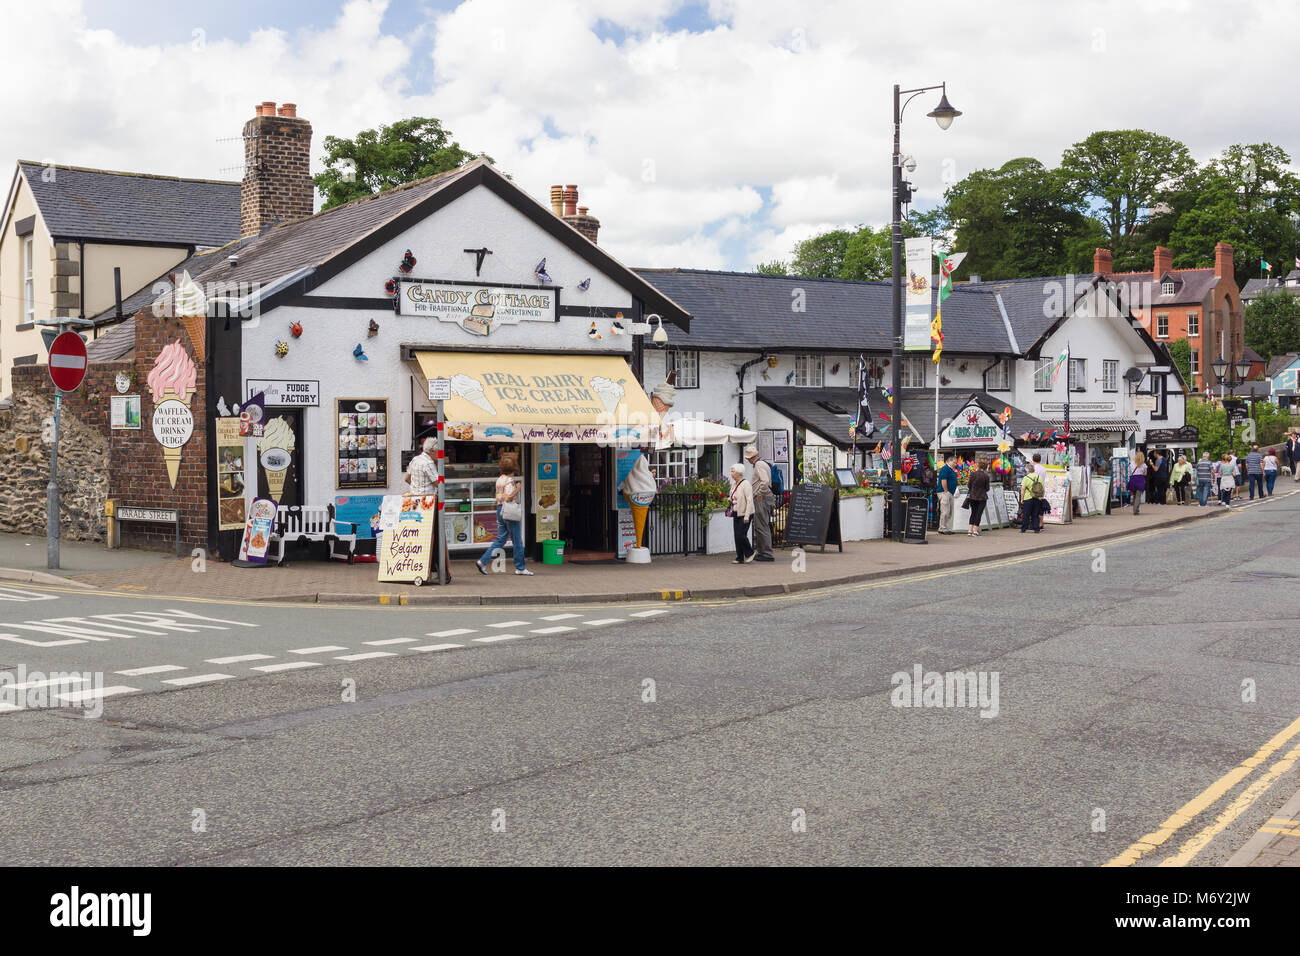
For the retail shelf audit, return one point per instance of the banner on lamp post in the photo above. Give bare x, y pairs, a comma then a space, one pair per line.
919, 260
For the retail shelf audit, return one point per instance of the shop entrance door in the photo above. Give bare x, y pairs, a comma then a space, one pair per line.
283, 485
588, 498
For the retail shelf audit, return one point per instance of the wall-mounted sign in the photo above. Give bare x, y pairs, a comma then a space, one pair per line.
1077, 408
1188, 433
439, 389
546, 491
476, 308
1144, 403
303, 393
165, 515
361, 449
231, 484
971, 427
123, 412
173, 380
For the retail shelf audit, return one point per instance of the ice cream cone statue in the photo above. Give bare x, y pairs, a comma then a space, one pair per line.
192, 309
173, 381
639, 487
276, 436
662, 398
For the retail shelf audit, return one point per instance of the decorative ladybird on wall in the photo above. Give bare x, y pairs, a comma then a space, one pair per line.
295, 328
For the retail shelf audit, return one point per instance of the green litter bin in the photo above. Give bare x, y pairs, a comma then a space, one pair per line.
552, 552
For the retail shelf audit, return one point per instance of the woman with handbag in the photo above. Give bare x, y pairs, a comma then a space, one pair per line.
1137, 480
979, 496
510, 515
741, 510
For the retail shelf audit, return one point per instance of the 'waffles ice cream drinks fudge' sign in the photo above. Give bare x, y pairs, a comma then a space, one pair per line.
478, 309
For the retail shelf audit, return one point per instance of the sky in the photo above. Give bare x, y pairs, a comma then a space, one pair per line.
712, 135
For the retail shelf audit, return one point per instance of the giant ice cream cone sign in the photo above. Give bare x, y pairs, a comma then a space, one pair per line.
191, 307
275, 450
173, 381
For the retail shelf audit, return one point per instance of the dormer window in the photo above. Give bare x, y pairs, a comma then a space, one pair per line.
1167, 287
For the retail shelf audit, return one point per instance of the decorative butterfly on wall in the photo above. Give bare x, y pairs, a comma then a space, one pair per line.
584, 285
360, 353
408, 263
540, 272
373, 330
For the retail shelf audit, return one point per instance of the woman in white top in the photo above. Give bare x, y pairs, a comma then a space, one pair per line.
509, 488
742, 509
1270, 470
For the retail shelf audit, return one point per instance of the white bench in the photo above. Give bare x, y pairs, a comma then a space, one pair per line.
306, 523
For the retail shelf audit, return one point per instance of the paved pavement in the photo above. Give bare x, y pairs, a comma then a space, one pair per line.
699, 576
765, 729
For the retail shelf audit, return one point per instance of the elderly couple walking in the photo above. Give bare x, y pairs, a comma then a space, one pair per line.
751, 505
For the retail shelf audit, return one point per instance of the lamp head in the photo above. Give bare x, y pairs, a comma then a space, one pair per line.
1219, 366
944, 113
1243, 369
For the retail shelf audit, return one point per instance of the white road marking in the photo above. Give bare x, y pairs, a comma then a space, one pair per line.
48, 682
22, 640
511, 624
553, 630
498, 637
240, 659
454, 632
365, 657
604, 620
286, 666
391, 640
435, 647
14, 594
159, 669
647, 613
319, 650
559, 617
90, 693
197, 679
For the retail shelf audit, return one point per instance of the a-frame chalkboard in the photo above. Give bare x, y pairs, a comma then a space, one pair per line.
813, 516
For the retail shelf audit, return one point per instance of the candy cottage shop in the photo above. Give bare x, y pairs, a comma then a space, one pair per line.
445, 281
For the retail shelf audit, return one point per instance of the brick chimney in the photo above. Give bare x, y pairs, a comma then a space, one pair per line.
277, 166
575, 215
1164, 261
1101, 262
1223, 260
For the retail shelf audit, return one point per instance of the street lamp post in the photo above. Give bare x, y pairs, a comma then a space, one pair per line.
943, 114
1241, 370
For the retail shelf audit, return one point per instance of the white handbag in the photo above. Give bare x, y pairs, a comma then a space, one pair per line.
512, 510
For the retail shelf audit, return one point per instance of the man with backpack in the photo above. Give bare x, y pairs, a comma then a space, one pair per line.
764, 499
1032, 493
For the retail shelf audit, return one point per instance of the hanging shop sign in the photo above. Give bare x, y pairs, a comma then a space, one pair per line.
123, 412
971, 427
230, 476
303, 393
361, 449
920, 262
476, 308
1188, 433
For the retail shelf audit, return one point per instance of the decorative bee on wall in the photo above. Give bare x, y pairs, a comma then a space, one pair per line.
281, 349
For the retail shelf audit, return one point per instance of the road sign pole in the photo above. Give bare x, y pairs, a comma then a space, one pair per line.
439, 527
52, 493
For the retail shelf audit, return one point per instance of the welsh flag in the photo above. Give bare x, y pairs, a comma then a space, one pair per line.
946, 269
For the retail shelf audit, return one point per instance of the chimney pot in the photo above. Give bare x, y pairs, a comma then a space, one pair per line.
289, 109
268, 107
582, 210
557, 200
570, 200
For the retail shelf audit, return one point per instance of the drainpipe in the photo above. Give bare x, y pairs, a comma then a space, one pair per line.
740, 395
81, 280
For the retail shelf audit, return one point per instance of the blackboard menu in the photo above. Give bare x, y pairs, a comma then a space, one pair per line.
362, 448
916, 513
814, 516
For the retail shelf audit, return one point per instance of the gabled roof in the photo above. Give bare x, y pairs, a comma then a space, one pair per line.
1280, 363
106, 206
749, 311
1250, 355
1256, 287
1191, 286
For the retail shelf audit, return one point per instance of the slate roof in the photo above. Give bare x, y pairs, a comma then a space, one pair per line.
1250, 355
1191, 286
1279, 363
105, 206
805, 405
1256, 287
748, 311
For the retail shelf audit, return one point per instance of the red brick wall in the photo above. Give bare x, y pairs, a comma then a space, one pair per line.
277, 179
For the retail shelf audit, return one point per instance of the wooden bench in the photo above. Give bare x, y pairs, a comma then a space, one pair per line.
303, 524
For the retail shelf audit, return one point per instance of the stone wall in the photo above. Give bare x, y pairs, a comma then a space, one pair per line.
88, 404
25, 463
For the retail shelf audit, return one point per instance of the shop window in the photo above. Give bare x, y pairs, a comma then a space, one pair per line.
1043, 377
1162, 325
914, 371
998, 378
1193, 324
686, 363
809, 371
671, 465
1078, 375
1110, 375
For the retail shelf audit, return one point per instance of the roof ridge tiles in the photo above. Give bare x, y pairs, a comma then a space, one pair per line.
119, 172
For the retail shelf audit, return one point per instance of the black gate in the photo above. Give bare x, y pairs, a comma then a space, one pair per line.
676, 523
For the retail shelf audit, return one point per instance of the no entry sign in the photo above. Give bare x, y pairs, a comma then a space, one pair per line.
67, 361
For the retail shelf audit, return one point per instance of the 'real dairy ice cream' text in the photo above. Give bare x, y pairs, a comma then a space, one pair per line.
538, 388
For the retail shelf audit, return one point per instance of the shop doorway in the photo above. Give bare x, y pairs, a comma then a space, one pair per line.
588, 514
284, 485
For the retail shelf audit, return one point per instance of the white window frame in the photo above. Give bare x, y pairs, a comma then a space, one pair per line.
998, 378
809, 371
1043, 377
1078, 375
686, 363
672, 465
1110, 375
914, 369
1167, 287
1162, 317
29, 280
1193, 325
1194, 362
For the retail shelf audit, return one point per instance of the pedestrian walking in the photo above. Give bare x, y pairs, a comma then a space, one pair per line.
1137, 480
742, 512
1235, 470
979, 496
510, 516
1204, 478
1270, 470
1227, 480
1032, 501
1255, 471
764, 499
947, 488
1157, 478
1181, 477
1293, 454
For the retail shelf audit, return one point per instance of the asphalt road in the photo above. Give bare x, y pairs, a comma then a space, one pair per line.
1128, 682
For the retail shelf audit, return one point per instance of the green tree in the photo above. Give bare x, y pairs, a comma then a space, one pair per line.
1273, 324
1181, 352
375, 160
774, 268
1122, 174
1271, 424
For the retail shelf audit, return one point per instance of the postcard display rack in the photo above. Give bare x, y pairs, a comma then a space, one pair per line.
362, 446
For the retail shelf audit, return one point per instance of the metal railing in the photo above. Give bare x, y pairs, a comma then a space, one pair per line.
677, 523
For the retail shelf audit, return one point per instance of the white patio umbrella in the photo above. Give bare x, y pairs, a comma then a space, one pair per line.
694, 431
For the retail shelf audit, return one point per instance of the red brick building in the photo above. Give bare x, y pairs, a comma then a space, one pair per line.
1200, 305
